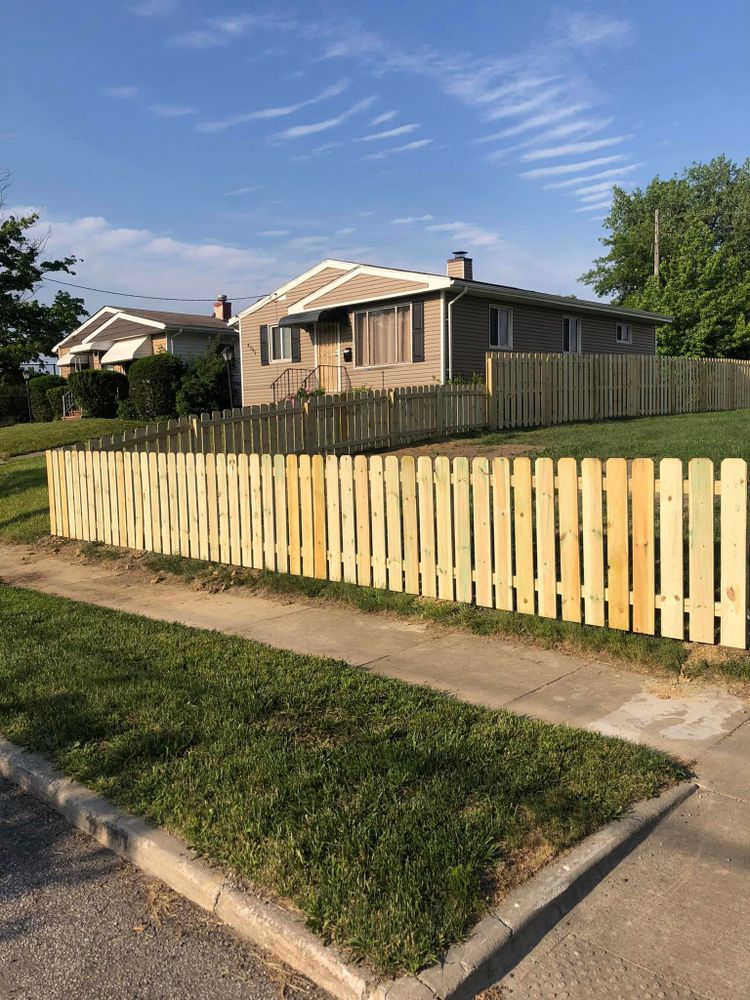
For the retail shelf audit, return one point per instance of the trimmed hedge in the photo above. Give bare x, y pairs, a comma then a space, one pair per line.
54, 398
40, 406
154, 382
14, 408
97, 391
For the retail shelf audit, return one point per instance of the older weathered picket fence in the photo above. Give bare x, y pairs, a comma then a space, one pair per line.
339, 424
521, 390
602, 544
537, 390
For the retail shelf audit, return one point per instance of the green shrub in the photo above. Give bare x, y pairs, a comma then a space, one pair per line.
204, 386
54, 398
154, 382
97, 391
14, 407
126, 410
38, 386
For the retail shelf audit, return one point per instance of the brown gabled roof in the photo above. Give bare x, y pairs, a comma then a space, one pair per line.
171, 319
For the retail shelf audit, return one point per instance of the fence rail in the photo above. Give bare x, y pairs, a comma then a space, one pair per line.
627, 545
537, 390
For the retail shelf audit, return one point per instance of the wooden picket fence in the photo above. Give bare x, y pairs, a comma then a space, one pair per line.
605, 543
343, 423
538, 390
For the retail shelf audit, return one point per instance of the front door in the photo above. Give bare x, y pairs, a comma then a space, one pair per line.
327, 340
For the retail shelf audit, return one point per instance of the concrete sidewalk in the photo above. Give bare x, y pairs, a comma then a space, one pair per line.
672, 920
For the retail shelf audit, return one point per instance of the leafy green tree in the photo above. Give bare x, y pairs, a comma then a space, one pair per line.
154, 381
28, 328
704, 257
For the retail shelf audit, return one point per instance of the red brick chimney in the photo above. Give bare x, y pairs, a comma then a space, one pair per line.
222, 308
460, 266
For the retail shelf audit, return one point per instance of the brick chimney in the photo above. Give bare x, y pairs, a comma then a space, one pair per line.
460, 266
222, 308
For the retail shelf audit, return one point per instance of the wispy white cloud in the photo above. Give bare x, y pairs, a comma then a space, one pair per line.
387, 116
322, 150
250, 189
587, 30
389, 133
536, 121
467, 232
154, 8
603, 203
407, 147
583, 126
522, 107
313, 128
119, 92
216, 32
593, 191
570, 168
345, 231
596, 195
574, 148
273, 232
171, 110
613, 172
281, 111
409, 220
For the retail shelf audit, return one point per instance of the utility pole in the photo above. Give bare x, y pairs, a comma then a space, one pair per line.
656, 242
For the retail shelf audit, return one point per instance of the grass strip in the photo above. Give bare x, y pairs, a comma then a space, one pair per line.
22, 439
24, 506
391, 815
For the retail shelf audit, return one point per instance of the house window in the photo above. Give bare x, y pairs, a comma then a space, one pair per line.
501, 328
624, 333
571, 338
382, 337
281, 343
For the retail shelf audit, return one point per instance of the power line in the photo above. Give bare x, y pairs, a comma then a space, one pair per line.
159, 298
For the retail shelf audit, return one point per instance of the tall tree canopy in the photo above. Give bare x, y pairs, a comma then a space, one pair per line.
28, 328
704, 259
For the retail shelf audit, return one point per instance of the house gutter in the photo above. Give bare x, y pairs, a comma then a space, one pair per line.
442, 337
450, 330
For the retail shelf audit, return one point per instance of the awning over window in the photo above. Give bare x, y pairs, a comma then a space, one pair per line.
66, 359
126, 350
335, 315
80, 349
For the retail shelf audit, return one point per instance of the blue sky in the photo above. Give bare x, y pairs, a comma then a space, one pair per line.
185, 148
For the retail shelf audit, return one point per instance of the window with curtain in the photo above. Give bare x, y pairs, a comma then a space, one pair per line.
571, 340
281, 343
500, 328
382, 337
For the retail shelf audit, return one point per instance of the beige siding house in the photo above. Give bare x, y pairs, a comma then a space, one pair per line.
114, 337
343, 325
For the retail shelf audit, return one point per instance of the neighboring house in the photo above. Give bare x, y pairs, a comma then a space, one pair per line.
115, 337
342, 325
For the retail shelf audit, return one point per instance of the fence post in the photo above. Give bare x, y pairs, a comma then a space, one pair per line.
394, 423
307, 442
491, 387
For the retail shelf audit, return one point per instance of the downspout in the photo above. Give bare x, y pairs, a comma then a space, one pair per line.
442, 337
450, 329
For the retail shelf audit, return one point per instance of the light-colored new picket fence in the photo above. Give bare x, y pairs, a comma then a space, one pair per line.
538, 390
623, 544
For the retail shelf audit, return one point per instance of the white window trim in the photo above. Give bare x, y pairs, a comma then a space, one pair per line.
271, 359
625, 326
578, 320
509, 310
390, 364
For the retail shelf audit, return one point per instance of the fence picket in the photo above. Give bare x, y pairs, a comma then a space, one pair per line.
427, 563
444, 517
733, 574
593, 547
618, 554
701, 549
544, 473
523, 531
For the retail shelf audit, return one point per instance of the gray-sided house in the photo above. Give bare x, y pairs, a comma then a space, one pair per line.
342, 325
114, 337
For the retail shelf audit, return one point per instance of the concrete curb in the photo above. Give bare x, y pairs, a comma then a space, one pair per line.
494, 946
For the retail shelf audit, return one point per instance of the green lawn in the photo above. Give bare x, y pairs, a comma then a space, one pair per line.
693, 435
21, 439
389, 814
24, 507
